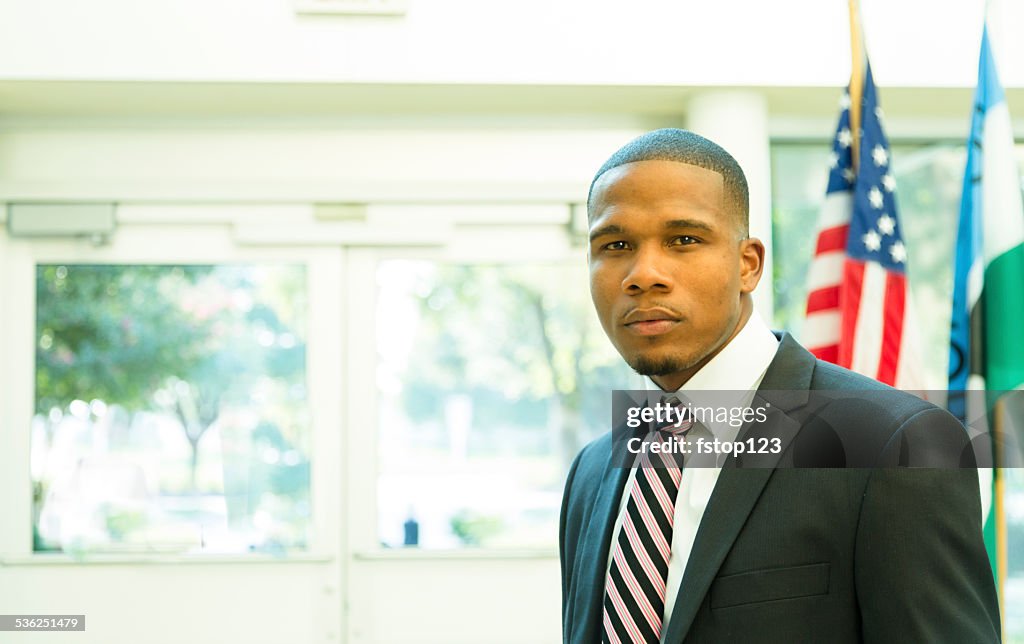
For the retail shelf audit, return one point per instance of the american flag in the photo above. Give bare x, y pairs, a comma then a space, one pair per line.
858, 307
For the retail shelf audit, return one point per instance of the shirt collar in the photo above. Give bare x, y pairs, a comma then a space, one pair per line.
740, 365
731, 377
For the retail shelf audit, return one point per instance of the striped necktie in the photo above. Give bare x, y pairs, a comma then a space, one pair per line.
634, 596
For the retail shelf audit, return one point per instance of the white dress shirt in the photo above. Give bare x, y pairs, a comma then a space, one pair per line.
739, 367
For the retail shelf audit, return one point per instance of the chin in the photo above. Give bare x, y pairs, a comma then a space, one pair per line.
657, 365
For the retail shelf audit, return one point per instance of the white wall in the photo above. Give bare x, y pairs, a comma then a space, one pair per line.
304, 163
176, 603
729, 42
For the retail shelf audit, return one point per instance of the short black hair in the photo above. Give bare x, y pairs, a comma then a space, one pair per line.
683, 146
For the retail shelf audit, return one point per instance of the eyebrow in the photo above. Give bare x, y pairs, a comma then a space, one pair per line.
610, 229
613, 229
689, 223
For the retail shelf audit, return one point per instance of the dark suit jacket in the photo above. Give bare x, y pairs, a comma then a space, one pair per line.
809, 554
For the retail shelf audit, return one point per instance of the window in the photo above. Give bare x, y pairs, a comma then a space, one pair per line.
170, 408
491, 377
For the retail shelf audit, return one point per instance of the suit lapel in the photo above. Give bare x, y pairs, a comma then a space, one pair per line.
785, 385
593, 556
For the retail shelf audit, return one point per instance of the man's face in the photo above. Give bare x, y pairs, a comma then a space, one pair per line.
668, 267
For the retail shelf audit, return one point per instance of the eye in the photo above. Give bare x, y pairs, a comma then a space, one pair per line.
615, 245
684, 240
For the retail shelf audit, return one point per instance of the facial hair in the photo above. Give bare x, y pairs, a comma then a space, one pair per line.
661, 366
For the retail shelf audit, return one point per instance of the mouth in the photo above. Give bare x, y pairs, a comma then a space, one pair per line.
653, 321
652, 327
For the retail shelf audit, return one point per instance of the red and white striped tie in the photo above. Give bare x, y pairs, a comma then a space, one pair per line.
634, 595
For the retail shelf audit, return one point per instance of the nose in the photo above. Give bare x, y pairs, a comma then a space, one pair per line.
648, 272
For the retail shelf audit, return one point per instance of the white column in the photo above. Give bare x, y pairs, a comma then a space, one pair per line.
738, 121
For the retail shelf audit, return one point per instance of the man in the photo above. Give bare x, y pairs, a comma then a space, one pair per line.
764, 553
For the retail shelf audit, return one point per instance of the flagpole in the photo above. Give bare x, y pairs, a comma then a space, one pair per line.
857, 57
999, 510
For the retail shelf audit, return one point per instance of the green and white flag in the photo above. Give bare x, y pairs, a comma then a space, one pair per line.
986, 338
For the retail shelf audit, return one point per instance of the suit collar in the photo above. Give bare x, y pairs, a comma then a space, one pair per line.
787, 382
786, 386
594, 553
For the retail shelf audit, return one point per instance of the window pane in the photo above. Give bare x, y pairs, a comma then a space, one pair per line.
490, 379
799, 173
171, 409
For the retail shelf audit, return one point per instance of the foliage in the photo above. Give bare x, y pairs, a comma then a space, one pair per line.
121, 522
112, 333
514, 337
187, 340
522, 330
475, 529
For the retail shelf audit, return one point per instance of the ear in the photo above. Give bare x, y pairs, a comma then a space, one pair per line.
751, 263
